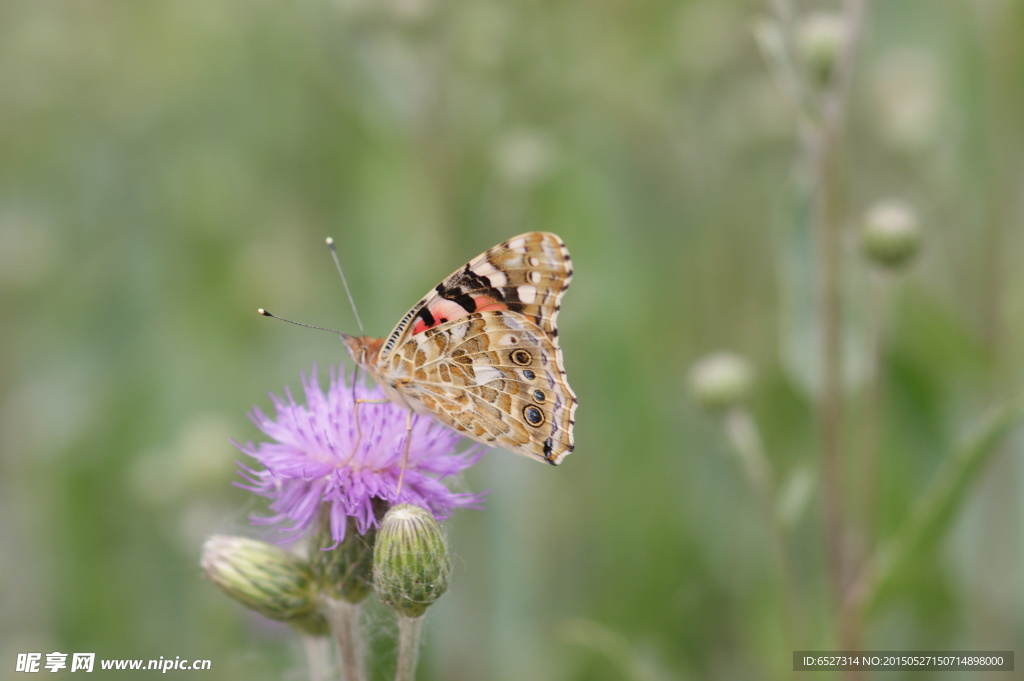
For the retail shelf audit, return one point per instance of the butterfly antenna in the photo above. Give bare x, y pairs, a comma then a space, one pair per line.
344, 281
266, 313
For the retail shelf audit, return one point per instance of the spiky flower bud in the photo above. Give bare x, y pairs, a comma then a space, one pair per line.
346, 570
265, 578
821, 38
721, 381
891, 235
411, 565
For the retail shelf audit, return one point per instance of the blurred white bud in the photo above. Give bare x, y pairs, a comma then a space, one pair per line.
201, 451
200, 462
821, 38
399, 11
721, 380
522, 157
906, 89
891, 233
410, 11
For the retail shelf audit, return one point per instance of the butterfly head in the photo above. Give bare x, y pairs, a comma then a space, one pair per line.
364, 350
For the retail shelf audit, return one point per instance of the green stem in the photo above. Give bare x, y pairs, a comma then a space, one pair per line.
820, 131
824, 152
316, 657
348, 638
745, 437
830, 403
410, 631
874, 408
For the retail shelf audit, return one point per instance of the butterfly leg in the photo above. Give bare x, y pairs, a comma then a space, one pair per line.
359, 430
405, 456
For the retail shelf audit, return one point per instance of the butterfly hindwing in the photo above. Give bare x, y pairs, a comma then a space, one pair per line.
495, 376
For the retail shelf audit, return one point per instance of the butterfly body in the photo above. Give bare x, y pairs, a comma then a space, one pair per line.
480, 352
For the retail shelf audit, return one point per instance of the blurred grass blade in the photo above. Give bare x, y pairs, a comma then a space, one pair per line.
939, 504
610, 644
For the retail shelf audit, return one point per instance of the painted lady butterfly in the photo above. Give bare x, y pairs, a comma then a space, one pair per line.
480, 352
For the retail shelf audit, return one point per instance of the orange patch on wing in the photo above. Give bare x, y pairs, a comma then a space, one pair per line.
446, 310
441, 311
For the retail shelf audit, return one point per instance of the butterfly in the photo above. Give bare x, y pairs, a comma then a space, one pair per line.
480, 351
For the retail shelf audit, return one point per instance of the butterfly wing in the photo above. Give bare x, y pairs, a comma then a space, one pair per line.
528, 275
496, 377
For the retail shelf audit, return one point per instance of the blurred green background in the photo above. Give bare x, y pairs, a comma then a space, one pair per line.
167, 167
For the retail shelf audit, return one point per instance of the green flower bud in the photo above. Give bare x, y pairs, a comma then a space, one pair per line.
821, 38
721, 381
313, 624
411, 565
345, 571
891, 235
265, 578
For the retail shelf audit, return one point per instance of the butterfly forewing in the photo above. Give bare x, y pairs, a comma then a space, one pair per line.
527, 274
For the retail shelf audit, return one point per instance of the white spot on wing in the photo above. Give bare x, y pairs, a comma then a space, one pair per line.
483, 374
527, 293
458, 332
492, 274
534, 277
484, 268
513, 322
517, 244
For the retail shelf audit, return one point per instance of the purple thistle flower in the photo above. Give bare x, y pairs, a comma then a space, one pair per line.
312, 461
